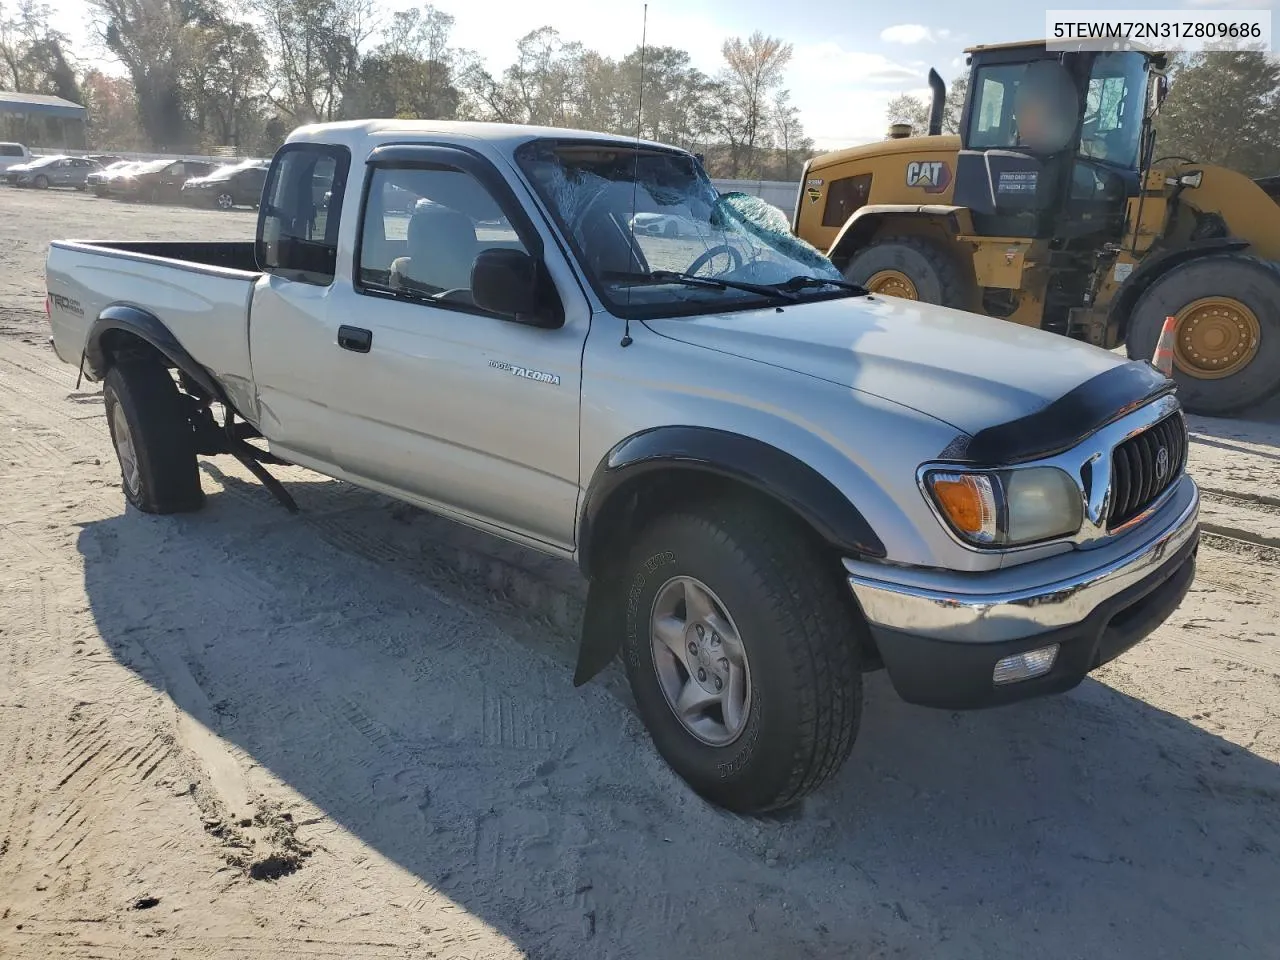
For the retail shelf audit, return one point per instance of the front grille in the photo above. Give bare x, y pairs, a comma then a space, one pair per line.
1136, 478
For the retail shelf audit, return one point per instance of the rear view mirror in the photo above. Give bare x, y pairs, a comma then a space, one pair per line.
506, 282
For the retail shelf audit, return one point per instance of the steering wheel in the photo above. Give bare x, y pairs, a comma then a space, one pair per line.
706, 256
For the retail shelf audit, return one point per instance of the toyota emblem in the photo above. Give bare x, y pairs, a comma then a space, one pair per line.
1162, 462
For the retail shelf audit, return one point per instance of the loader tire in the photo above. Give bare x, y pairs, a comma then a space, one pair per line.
1227, 342
913, 268
154, 440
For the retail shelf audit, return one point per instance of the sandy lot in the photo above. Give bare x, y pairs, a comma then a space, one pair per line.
352, 733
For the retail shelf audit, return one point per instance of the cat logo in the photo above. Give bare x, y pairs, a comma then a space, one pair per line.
933, 176
814, 190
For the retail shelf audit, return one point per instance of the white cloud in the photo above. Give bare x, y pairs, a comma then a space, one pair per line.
912, 33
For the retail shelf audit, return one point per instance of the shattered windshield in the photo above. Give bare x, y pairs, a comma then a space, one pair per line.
657, 239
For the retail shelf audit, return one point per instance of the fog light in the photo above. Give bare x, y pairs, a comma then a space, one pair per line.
1024, 666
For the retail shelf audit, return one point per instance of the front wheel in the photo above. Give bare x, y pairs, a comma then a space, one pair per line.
910, 268
742, 655
42, 183
225, 201
1226, 352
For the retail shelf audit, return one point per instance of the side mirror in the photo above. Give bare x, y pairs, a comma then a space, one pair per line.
1162, 89
506, 282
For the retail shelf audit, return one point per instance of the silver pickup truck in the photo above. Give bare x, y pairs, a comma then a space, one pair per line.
773, 481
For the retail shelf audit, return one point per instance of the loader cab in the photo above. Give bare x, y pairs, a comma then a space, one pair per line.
1051, 141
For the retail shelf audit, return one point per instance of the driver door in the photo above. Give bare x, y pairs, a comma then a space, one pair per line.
438, 398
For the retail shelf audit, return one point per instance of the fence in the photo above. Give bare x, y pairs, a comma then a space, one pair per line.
780, 193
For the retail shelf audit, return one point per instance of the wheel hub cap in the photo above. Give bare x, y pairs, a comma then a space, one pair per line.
1215, 337
124, 450
892, 283
700, 661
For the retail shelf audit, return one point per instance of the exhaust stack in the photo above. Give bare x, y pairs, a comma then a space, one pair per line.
939, 102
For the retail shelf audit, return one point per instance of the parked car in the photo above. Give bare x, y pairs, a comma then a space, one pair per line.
12, 155
157, 181
103, 159
664, 225
97, 180
235, 185
772, 481
56, 172
12, 174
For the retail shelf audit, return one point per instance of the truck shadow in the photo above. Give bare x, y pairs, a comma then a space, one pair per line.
357, 653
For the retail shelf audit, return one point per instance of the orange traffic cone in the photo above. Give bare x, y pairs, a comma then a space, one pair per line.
1163, 360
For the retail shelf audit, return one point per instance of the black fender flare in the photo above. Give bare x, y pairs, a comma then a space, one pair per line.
754, 463
759, 465
146, 326
1155, 266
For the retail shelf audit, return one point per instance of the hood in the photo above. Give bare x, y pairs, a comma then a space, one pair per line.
964, 369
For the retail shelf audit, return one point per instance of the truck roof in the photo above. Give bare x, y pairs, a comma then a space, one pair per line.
506, 137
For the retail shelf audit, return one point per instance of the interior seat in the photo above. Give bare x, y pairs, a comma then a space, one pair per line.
442, 247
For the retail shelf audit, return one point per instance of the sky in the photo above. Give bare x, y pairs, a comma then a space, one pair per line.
849, 59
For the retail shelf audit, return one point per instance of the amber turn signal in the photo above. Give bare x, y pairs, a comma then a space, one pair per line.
968, 503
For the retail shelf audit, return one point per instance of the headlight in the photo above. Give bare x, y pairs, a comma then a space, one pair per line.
1006, 508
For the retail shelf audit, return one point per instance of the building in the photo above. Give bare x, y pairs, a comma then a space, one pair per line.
38, 120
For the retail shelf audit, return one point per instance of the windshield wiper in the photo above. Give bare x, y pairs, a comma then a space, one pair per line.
804, 283
772, 291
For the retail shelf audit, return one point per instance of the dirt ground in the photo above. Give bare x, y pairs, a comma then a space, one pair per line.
352, 733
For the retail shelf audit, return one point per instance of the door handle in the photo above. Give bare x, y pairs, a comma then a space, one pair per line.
357, 339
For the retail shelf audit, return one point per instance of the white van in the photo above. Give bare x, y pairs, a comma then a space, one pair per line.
12, 154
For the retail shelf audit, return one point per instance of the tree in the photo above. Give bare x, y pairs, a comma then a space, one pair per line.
906, 108
315, 53
1223, 107
150, 38
794, 146
751, 78
112, 113
33, 55
410, 74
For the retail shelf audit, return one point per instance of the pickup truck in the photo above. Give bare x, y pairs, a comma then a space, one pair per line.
773, 482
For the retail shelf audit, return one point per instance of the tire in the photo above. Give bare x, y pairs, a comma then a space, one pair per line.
42, 183
1251, 282
144, 407
930, 267
800, 641
225, 201
671, 231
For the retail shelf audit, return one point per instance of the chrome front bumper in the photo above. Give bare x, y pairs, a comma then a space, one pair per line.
1021, 601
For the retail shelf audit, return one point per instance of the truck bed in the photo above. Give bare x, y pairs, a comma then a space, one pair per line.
228, 254
201, 291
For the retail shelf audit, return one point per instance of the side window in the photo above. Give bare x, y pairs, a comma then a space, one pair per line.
991, 122
302, 206
10, 150
844, 197
423, 228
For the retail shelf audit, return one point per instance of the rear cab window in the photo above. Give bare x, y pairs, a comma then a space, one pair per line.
301, 209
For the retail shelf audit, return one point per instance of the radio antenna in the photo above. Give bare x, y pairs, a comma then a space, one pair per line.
635, 176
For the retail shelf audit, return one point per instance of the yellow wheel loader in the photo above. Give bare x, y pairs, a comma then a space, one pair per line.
1053, 208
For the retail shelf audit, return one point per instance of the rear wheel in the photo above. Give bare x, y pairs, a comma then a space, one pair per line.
154, 439
741, 654
911, 268
1226, 354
